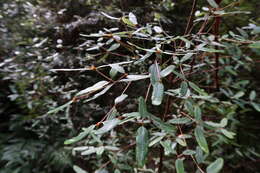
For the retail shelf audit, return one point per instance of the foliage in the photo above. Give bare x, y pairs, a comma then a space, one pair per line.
133, 90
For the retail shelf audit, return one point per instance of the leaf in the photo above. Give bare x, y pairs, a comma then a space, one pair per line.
89, 151
60, 108
197, 113
144, 57
181, 142
168, 146
200, 138
113, 47
189, 152
113, 72
157, 94
186, 57
134, 78
252, 95
162, 125
110, 17
212, 3
255, 45
78, 169
228, 133
108, 125
256, 106
197, 89
211, 50
142, 142
199, 155
142, 108
117, 68
95, 87
238, 95
165, 72
80, 136
157, 29
156, 140
184, 88
99, 93
120, 98
216, 166
179, 166
154, 71
132, 18
127, 21
180, 121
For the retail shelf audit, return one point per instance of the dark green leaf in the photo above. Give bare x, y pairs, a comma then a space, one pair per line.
157, 94
142, 141
80, 136
184, 88
200, 138
179, 166
216, 166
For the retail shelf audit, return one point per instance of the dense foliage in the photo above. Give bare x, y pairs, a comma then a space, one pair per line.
129, 86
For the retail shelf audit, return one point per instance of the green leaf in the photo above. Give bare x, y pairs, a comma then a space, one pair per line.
142, 141
162, 125
186, 57
255, 45
256, 106
179, 166
181, 142
188, 152
134, 78
238, 95
211, 50
216, 166
156, 140
168, 147
212, 3
228, 133
60, 108
197, 113
108, 125
80, 136
200, 138
144, 57
154, 71
168, 70
157, 94
180, 121
127, 21
78, 169
113, 47
252, 95
184, 88
199, 155
197, 89
142, 108
117, 68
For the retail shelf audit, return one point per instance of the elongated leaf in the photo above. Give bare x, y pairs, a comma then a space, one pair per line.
144, 57
108, 125
255, 45
180, 121
142, 141
78, 169
117, 68
154, 71
179, 166
212, 3
186, 57
228, 133
216, 166
60, 108
196, 88
120, 98
168, 70
142, 108
157, 94
197, 113
95, 87
99, 93
256, 106
184, 88
200, 138
134, 78
110, 17
80, 136
162, 125
113, 47
127, 21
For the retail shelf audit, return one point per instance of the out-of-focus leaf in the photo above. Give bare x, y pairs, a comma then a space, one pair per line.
80, 136
179, 166
184, 88
113, 47
120, 98
157, 94
95, 87
134, 78
110, 17
108, 125
132, 18
252, 95
78, 169
168, 70
200, 138
238, 95
127, 21
256, 106
228, 133
142, 141
216, 166
117, 68
212, 3
154, 71
186, 57
189, 152
255, 45
142, 108
157, 29
162, 125
196, 88
180, 121
60, 108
